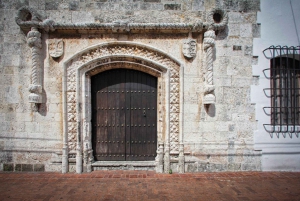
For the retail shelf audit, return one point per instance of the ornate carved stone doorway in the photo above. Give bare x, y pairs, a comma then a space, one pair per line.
77, 99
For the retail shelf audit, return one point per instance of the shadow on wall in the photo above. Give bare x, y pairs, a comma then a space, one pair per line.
210, 109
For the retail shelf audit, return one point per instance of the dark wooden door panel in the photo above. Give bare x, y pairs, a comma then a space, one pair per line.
124, 115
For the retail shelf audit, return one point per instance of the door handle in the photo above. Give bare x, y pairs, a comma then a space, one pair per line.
144, 113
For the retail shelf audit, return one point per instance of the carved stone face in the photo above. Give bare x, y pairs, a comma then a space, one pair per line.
189, 48
56, 48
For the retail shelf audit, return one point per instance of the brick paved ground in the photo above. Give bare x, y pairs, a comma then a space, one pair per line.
140, 185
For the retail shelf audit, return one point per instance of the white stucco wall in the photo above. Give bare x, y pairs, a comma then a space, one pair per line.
279, 21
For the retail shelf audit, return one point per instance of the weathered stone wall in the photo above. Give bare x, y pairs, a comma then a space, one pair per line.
216, 138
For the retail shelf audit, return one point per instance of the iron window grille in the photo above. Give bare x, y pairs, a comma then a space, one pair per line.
284, 91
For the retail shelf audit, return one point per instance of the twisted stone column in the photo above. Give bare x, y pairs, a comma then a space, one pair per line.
209, 43
35, 88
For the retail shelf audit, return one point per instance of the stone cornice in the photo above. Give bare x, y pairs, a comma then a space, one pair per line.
28, 17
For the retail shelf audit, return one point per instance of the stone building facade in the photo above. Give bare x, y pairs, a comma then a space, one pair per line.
199, 51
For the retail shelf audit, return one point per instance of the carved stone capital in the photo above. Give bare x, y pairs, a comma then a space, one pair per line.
209, 99
34, 38
209, 39
209, 88
35, 98
35, 88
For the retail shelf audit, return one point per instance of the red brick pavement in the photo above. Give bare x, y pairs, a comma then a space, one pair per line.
142, 185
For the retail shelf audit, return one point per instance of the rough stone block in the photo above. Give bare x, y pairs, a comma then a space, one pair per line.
128, 6
247, 6
234, 167
248, 50
51, 5
34, 4
222, 126
234, 29
82, 17
39, 167
198, 5
105, 6
152, 1
172, 6
191, 167
223, 81
8, 167
235, 17
246, 30
256, 29
254, 60
241, 81
74, 5
248, 167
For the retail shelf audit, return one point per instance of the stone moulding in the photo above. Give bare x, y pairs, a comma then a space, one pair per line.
105, 56
28, 17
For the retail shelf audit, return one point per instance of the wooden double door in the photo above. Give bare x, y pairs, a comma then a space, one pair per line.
124, 115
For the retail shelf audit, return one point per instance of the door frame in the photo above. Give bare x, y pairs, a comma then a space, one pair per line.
77, 100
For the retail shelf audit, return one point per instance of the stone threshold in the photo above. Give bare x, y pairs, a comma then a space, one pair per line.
123, 163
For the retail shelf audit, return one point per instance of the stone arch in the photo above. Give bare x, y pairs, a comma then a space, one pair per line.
77, 105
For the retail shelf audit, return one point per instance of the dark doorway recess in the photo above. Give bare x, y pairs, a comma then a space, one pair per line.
124, 115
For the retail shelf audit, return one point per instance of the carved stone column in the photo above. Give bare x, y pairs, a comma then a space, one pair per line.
167, 158
181, 159
87, 151
36, 88
209, 43
159, 160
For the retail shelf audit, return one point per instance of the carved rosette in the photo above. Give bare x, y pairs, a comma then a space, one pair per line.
113, 50
35, 43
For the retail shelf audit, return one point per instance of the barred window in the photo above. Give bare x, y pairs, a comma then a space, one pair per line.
285, 74
284, 89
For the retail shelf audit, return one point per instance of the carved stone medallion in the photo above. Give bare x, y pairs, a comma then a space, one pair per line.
56, 48
189, 48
